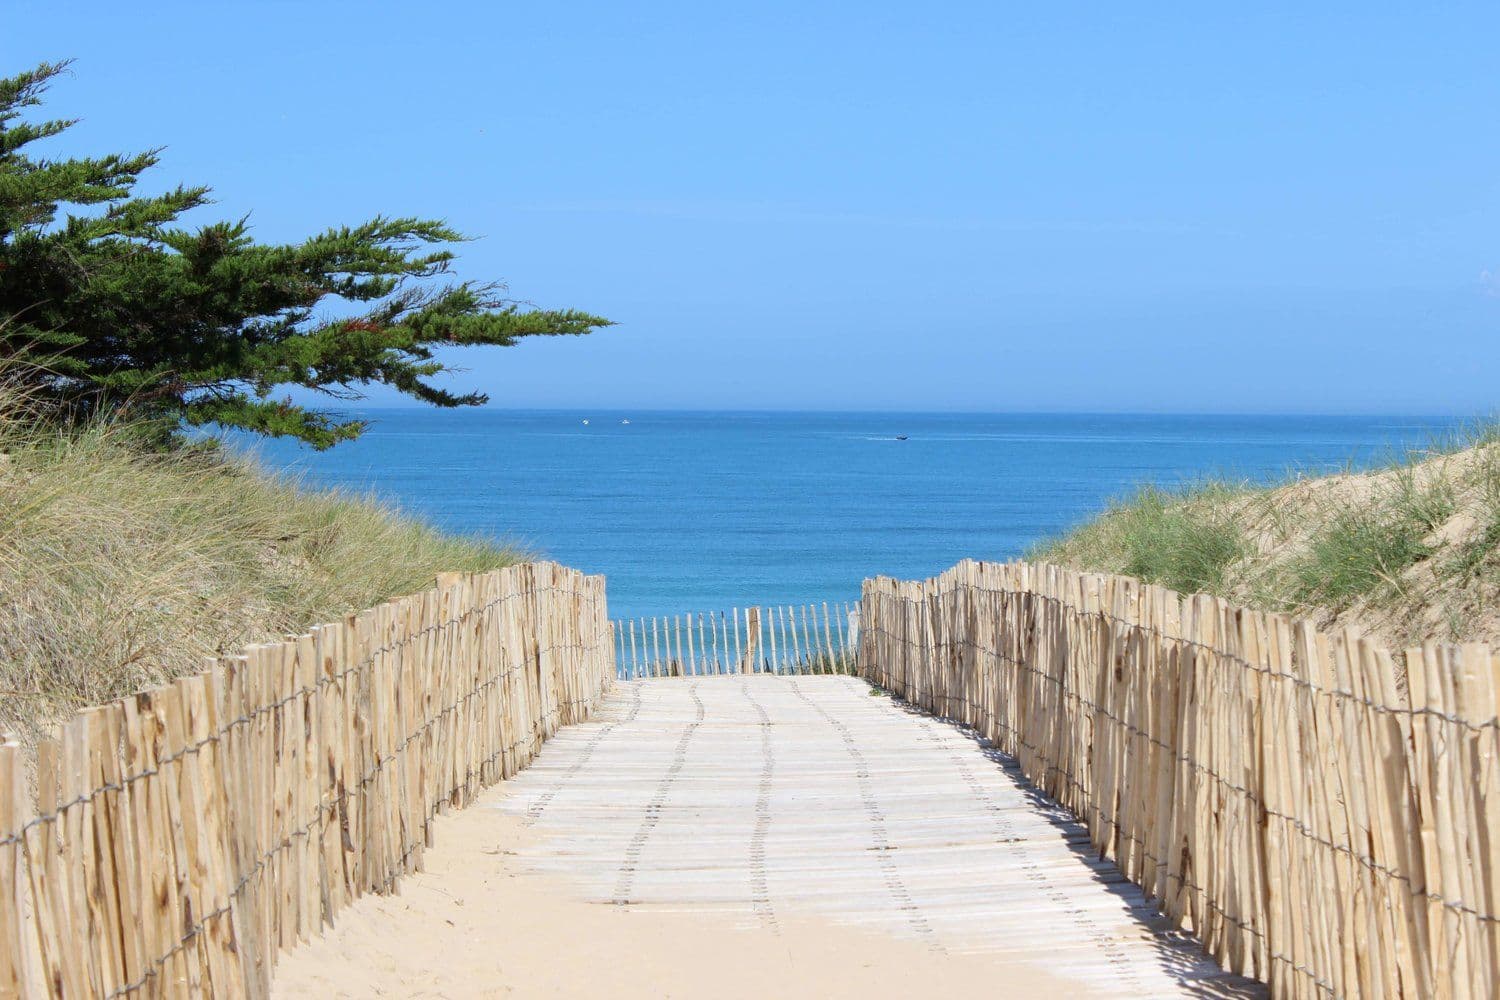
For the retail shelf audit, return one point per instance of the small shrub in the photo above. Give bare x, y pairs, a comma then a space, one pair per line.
1186, 552
1470, 559
1185, 541
1360, 553
1424, 506
1474, 558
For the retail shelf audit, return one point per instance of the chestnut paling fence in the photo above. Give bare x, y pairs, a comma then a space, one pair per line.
184, 836
1322, 814
775, 639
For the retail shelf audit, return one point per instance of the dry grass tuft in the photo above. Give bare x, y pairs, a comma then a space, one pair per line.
121, 569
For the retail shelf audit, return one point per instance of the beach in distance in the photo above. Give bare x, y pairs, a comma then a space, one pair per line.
697, 511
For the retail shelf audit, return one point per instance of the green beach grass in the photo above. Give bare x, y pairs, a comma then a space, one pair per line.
1408, 551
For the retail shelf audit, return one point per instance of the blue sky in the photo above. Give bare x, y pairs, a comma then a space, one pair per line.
922, 206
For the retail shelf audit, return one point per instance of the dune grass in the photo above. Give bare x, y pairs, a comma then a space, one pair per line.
1362, 550
1406, 551
1181, 539
120, 568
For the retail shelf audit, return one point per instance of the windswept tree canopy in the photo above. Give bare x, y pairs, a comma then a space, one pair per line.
120, 309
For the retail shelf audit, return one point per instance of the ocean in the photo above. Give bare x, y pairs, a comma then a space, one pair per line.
706, 511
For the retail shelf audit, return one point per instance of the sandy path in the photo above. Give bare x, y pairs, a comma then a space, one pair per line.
765, 837
474, 924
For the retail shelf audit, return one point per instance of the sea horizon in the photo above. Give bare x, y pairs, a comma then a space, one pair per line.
704, 510
1460, 416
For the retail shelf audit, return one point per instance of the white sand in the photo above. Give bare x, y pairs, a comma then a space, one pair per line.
474, 925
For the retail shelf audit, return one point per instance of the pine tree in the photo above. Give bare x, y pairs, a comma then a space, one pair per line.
120, 310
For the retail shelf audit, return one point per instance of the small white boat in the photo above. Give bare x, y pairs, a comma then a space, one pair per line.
585, 423
625, 421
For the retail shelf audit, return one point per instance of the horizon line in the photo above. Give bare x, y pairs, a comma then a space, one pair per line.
827, 411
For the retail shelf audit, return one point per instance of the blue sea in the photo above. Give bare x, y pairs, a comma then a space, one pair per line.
707, 511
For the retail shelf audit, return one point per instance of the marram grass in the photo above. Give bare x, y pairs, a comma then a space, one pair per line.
1407, 552
120, 569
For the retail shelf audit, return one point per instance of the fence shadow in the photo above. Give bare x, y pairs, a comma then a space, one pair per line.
1177, 951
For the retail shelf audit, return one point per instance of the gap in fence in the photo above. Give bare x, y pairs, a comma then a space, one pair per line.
819, 638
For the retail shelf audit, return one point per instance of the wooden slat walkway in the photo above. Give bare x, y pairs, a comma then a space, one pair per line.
768, 797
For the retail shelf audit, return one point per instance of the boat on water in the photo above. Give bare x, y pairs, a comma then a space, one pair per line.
899, 437
626, 421
585, 423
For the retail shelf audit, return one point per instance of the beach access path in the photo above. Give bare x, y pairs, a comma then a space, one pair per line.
759, 835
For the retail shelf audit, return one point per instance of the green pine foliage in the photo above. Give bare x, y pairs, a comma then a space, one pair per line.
122, 311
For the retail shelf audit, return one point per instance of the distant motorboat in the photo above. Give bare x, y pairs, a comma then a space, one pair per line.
624, 421
585, 423
899, 437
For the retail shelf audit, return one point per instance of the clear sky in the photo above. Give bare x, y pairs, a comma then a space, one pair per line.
980, 206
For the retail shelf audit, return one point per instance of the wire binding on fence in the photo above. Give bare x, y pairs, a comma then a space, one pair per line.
187, 835
1319, 818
